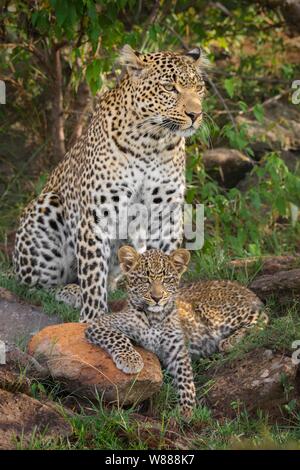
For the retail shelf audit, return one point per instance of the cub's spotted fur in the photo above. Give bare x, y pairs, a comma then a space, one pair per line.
174, 323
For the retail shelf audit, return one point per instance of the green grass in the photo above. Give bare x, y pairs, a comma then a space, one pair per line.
38, 296
216, 265
117, 429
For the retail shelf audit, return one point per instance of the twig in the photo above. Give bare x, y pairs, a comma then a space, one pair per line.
218, 94
184, 46
81, 29
139, 10
87, 113
249, 110
257, 79
152, 17
60, 45
270, 100
221, 7
41, 57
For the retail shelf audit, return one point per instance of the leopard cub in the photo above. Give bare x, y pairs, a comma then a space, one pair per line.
174, 323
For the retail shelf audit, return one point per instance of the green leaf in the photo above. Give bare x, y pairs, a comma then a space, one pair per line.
230, 85
190, 194
243, 106
92, 13
34, 17
40, 20
259, 112
61, 8
281, 204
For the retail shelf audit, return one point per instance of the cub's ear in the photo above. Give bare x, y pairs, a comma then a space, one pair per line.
131, 60
127, 257
180, 258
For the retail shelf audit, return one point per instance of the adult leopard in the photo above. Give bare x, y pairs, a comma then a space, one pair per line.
132, 152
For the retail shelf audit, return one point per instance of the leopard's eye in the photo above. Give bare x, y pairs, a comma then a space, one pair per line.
170, 87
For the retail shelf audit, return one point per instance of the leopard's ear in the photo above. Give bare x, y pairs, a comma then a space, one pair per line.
180, 259
127, 257
195, 53
198, 57
131, 60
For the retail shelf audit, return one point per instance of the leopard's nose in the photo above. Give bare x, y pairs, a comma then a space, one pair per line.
193, 116
156, 291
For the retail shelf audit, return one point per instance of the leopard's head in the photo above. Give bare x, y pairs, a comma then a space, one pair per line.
167, 89
152, 277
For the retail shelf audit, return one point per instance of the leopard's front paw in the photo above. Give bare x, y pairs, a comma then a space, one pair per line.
130, 363
186, 411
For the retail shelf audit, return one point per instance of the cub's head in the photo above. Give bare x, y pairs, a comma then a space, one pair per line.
152, 277
167, 89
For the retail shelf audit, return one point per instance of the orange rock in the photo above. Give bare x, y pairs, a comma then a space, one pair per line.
87, 370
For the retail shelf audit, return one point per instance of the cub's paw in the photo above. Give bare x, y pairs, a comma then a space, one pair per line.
130, 363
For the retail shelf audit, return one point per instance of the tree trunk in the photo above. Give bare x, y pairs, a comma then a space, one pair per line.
58, 121
81, 109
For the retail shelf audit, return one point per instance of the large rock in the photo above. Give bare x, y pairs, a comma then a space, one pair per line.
260, 380
269, 264
227, 166
279, 277
280, 129
280, 284
87, 370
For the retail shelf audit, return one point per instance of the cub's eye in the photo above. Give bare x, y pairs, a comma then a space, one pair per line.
144, 280
169, 280
169, 87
